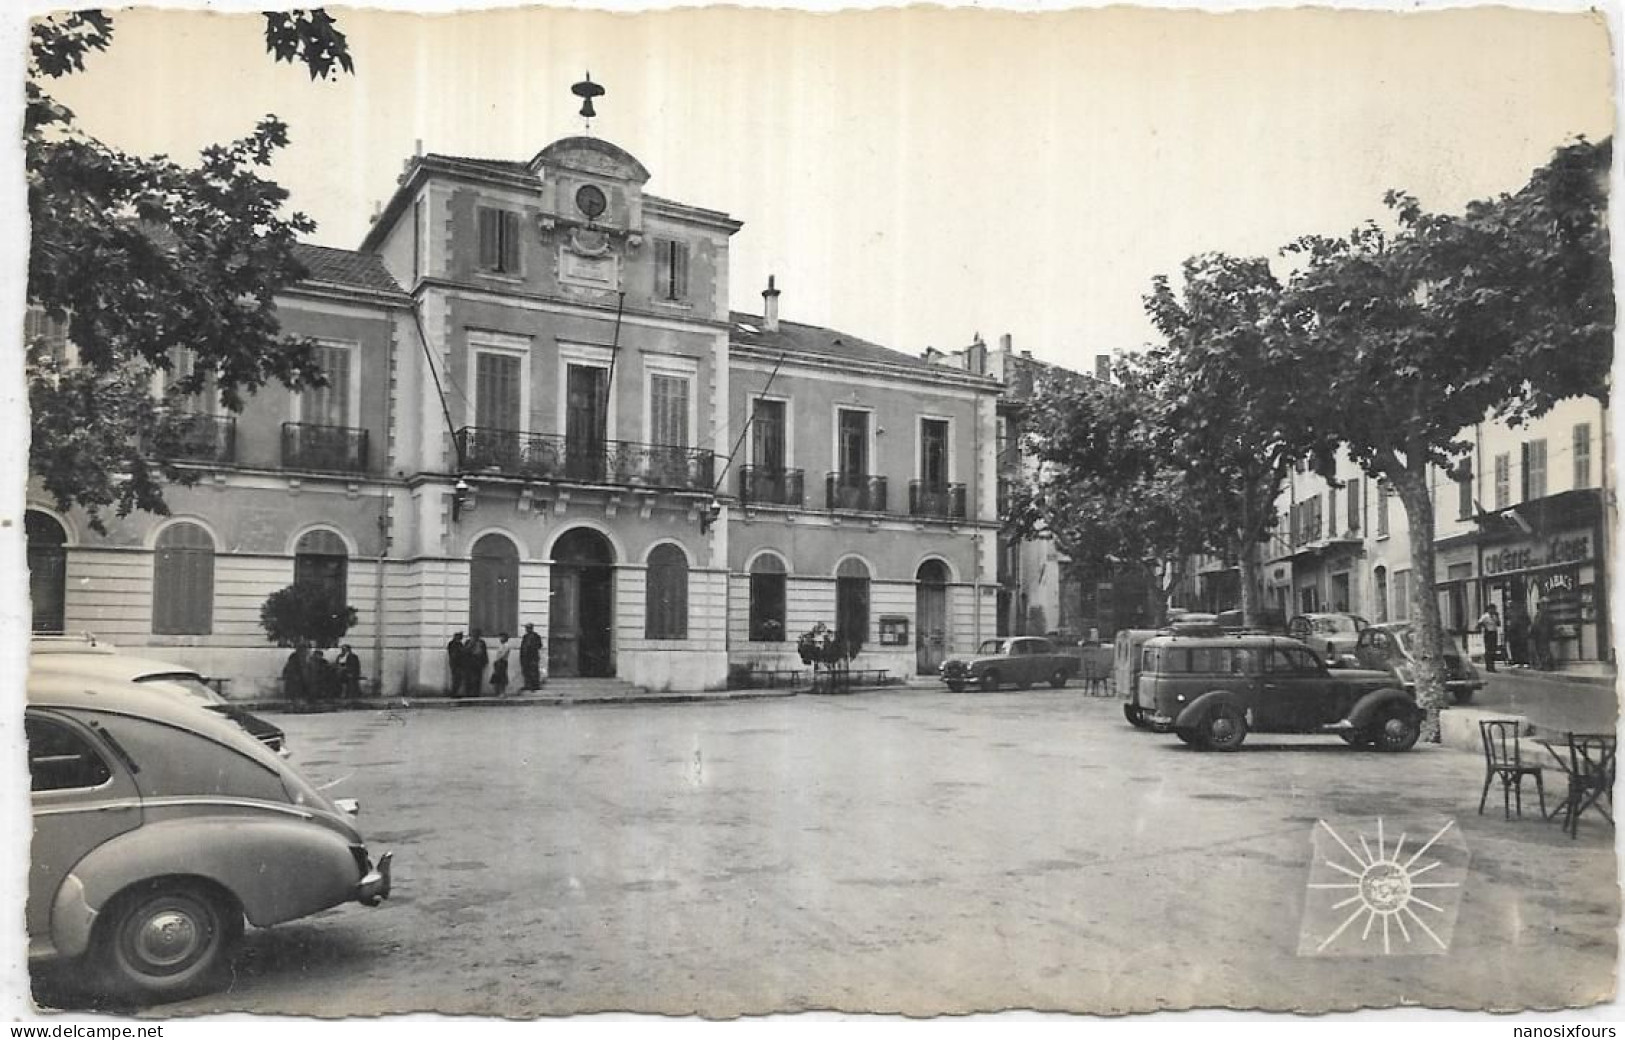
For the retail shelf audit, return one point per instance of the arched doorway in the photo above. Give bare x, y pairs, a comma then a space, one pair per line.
930, 616
493, 587
47, 570
582, 590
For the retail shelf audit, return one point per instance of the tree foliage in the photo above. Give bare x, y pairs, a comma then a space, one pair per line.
306, 612
138, 256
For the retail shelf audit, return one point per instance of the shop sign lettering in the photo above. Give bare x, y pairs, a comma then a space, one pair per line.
1559, 550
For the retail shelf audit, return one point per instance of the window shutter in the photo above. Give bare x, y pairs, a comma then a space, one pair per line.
679, 270
510, 242
489, 255
663, 265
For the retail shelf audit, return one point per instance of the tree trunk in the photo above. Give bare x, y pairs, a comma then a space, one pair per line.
1251, 572
1428, 627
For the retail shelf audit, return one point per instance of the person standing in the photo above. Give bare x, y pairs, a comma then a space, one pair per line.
530, 658
294, 671
1540, 634
1518, 636
348, 666
318, 676
475, 657
456, 664
1489, 623
499, 666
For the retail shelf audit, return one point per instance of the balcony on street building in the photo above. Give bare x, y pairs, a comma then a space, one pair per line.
862, 492
333, 449
941, 500
553, 457
195, 438
759, 485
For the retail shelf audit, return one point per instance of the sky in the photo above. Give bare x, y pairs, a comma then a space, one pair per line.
911, 176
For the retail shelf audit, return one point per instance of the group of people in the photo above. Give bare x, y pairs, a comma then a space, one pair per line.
467, 661
309, 676
1528, 640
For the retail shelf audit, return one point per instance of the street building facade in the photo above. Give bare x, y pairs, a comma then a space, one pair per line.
542, 410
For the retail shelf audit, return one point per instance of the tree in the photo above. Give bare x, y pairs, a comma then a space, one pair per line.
1419, 330
306, 612
136, 257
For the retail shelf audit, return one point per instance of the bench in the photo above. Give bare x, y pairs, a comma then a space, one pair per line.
772, 678
852, 678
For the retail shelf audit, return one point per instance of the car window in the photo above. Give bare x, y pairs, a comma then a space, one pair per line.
1301, 661
60, 759
1243, 662
990, 646
1210, 659
189, 684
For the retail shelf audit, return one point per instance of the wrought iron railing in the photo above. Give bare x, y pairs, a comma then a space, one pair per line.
542, 456
863, 492
945, 500
341, 449
773, 487
195, 438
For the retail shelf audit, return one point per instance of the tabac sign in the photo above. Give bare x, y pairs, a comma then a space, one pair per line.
1560, 550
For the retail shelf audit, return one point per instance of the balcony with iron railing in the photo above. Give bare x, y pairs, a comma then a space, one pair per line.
760, 485
862, 492
334, 449
543, 456
939, 500
194, 438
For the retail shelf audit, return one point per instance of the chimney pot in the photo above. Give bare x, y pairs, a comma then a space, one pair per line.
770, 306
1005, 343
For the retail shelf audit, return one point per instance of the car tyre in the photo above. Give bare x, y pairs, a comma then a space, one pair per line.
1136, 716
1396, 729
990, 681
1189, 736
166, 939
956, 686
1225, 728
1058, 680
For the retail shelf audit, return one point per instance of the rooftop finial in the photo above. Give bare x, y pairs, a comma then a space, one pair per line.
586, 90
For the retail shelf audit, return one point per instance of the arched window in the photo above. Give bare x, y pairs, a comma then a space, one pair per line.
666, 609
183, 582
493, 586
767, 599
47, 570
322, 559
852, 605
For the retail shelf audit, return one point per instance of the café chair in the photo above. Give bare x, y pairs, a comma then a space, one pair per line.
1503, 761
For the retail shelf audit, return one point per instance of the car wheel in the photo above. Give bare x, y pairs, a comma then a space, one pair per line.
1396, 729
1058, 680
990, 681
165, 939
1225, 728
1189, 736
956, 686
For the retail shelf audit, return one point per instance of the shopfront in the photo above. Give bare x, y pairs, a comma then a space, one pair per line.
1559, 573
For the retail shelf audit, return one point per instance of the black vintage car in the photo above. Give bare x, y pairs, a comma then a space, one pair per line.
1212, 690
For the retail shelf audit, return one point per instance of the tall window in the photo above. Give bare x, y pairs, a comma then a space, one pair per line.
322, 559
1534, 469
671, 269
47, 570
497, 390
666, 609
1503, 480
183, 581
493, 586
1383, 494
1464, 492
668, 411
767, 583
1582, 455
767, 447
1380, 592
499, 240
852, 449
852, 604
330, 405
934, 454
1356, 506
1331, 513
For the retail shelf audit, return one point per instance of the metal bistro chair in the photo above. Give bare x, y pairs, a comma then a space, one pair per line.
1591, 778
1503, 761
1093, 677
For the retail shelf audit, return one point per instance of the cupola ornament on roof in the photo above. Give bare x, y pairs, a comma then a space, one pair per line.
586, 90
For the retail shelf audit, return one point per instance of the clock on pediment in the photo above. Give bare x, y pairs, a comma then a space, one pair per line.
590, 200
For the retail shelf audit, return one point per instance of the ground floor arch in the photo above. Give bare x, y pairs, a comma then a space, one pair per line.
581, 614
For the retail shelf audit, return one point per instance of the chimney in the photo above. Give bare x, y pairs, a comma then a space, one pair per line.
976, 356
1005, 343
770, 307
417, 146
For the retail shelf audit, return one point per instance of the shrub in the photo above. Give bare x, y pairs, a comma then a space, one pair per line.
307, 612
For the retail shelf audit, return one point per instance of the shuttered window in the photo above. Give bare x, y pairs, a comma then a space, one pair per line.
183, 582
767, 446
322, 559
330, 405
493, 586
497, 391
671, 269
1503, 480
1383, 494
1534, 469
666, 608
1582, 455
934, 454
668, 411
499, 240
1464, 492
1356, 507
853, 447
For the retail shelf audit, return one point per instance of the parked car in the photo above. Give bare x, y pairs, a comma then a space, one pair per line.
1126, 672
1022, 660
1332, 636
159, 826
1391, 647
101, 660
1212, 690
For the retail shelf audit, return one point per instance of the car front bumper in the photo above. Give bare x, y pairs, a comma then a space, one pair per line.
373, 888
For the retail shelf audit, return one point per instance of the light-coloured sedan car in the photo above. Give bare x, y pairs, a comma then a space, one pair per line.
160, 826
